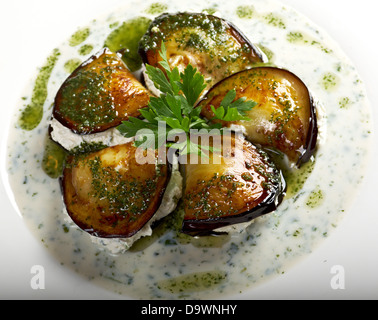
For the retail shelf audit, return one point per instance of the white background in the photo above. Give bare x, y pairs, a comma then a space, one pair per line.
30, 29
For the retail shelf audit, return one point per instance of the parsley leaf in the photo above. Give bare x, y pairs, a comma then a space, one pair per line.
176, 110
231, 110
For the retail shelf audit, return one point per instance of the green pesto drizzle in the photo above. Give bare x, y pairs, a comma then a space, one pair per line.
315, 198
344, 102
193, 282
245, 12
71, 65
126, 38
297, 37
156, 8
85, 49
54, 156
31, 116
329, 81
275, 21
53, 159
269, 53
296, 178
79, 37
211, 10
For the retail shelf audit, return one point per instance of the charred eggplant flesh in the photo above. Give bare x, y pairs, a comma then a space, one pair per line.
283, 119
109, 194
236, 186
212, 45
99, 94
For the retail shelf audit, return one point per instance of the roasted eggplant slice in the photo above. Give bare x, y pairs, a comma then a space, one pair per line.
283, 119
236, 186
212, 45
99, 94
109, 194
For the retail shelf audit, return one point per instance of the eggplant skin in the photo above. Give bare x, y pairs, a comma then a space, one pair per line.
214, 46
284, 118
99, 94
109, 194
235, 188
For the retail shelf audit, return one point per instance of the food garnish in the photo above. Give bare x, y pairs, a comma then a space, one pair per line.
176, 107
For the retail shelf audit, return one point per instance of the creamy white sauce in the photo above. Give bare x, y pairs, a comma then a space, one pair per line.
270, 245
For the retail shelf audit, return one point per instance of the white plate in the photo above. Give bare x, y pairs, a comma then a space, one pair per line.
30, 30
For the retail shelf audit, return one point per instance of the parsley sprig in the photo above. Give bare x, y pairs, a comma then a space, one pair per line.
176, 108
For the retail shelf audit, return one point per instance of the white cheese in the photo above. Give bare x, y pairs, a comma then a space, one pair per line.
70, 140
149, 83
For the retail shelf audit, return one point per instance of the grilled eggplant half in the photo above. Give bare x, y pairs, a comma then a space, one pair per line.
99, 94
110, 194
212, 45
235, 186
284, 118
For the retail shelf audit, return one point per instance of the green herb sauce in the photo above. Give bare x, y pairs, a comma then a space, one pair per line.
245, 12
193, 282
329, 81
156, 8
303, 39
126, 38
211, 10
71, 65
53, 159
296, 178
344, 103
315, 198
79, 37
269, 53
275, 21
85, 49
31, 116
